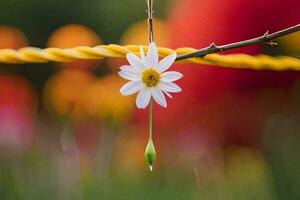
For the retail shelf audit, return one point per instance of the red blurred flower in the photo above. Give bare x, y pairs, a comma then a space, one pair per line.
17, 105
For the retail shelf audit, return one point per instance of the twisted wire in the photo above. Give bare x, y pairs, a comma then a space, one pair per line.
239, 61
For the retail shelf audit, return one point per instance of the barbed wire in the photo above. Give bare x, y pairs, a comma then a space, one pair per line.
240, 61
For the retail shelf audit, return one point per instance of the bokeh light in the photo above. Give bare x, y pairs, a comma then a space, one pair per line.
63, 93
104, 101
73, 35
11, 37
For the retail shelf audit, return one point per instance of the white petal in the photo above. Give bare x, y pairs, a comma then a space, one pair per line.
170, 76
143, 98
142, 54
129, 75
131, 88
130, 68
135, 61
152, 56
169, 87
168, 94
165, 63
131, 71
159, 97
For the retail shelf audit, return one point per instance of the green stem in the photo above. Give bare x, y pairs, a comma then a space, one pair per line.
150, 153
151, 119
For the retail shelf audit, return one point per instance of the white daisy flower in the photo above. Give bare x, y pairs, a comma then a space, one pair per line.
147, 76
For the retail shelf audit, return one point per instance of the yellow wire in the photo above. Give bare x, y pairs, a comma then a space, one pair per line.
239, 61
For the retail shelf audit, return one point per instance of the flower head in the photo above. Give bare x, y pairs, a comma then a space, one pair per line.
147, 76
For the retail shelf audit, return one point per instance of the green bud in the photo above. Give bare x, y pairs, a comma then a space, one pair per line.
150, 154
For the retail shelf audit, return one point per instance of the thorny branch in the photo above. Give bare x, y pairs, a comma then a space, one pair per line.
266, 38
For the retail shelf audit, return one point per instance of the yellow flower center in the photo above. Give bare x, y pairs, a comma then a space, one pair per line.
150, 77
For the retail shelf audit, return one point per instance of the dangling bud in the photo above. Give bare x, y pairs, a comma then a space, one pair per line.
150, 154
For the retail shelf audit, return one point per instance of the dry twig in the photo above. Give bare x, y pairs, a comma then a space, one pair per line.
266, 38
